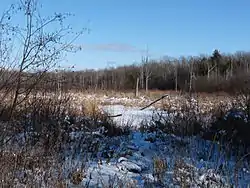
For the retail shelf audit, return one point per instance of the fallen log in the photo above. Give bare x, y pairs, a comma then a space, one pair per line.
155, 101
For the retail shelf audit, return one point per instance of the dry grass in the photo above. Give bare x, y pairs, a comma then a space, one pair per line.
90, 100
159, 169
183, 173
44, 123
47, 111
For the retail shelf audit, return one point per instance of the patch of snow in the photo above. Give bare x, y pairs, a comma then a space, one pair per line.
131, 116
129, 166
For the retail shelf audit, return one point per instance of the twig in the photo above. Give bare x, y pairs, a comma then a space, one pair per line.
237, 164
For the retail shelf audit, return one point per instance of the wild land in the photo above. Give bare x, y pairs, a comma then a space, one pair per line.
111, 140
63, 128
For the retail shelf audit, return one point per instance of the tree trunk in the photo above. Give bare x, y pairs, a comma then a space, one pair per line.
176, 78
208, 72
137, 87
191, 78
142, 78
231, 67
146, 88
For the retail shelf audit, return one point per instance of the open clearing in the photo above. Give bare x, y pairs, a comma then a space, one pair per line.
144, 157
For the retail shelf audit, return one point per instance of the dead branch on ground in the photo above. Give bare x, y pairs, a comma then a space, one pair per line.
155, 101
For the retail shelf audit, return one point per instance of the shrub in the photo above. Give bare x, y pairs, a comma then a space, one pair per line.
185, 121
231, 128
44, 131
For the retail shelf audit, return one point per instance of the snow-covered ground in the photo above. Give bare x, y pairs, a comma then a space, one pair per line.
131, 116
152, 159
131, 162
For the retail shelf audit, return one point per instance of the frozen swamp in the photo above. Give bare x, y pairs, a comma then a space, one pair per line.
150, 159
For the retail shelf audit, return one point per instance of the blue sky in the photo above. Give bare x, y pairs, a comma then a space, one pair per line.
120, 30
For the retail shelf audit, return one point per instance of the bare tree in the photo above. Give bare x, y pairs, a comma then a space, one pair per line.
137, 86
176, 76
209, 69
142, 75
147, 69
32, 47
191, 74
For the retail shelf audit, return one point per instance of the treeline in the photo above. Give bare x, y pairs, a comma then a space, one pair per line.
204, 73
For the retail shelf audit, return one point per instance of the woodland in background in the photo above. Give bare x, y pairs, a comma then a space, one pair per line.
204, 73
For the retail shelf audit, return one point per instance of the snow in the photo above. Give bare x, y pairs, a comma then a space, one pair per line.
131, 116
137, 165
129, 166
129, 160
